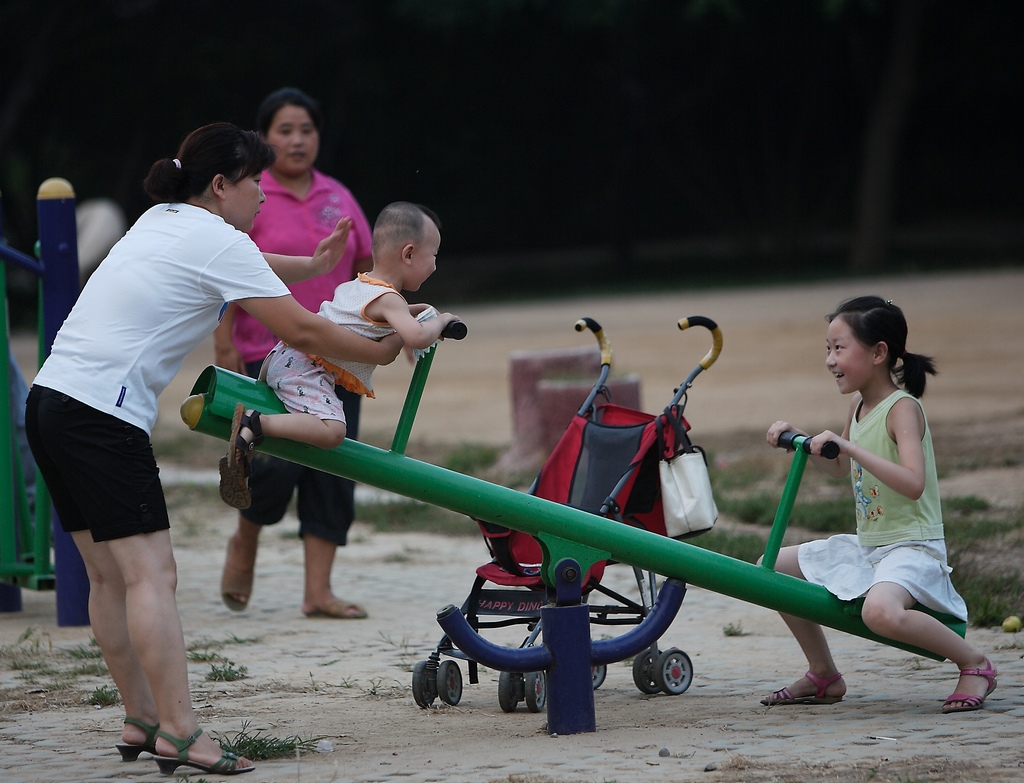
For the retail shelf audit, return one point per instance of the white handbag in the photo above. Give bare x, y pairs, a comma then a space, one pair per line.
686, 499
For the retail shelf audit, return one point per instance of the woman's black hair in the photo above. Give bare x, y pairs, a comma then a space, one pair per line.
287, 96
219, 148
875, 320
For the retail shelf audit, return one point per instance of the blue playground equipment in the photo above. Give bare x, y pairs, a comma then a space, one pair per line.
572, 541
26, 534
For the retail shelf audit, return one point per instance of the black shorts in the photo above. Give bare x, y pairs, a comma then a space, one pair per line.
100, 470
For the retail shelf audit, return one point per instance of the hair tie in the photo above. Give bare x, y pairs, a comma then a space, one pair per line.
177, 163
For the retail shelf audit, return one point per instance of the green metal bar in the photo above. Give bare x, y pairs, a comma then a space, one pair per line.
782, 514
412, 401
8, 535
562, 530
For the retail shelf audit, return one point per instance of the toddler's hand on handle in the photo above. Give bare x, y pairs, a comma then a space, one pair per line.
453, 327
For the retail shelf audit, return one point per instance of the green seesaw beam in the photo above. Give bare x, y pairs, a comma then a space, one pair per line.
561, 530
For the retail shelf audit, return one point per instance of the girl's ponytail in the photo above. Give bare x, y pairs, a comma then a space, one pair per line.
913, 373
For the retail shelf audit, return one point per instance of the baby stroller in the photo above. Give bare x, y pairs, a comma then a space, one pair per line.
606, 463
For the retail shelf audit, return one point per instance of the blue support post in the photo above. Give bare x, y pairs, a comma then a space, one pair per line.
58, 251
566, 633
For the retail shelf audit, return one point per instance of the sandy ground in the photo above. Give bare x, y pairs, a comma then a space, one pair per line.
349, 682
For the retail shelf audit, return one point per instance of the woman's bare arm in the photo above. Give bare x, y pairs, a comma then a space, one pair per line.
311, 333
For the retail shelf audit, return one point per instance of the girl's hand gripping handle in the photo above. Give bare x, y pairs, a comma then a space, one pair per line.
792, 441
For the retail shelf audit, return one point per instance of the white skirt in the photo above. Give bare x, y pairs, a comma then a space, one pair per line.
848, 570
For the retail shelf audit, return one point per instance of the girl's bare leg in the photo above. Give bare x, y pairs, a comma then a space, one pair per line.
887, 611
810, 637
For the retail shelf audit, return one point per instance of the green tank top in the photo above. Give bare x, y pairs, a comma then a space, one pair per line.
884, 516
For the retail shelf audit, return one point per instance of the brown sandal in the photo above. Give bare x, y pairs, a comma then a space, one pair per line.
234, 466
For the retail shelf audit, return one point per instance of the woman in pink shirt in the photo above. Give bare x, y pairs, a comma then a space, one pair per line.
302, 207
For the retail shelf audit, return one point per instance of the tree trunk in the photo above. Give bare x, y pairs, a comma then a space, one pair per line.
882, 139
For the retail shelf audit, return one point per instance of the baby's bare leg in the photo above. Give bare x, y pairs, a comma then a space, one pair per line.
304, 427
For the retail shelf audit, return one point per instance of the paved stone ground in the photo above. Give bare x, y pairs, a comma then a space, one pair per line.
349, 682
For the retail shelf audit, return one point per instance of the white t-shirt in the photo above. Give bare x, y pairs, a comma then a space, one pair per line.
160, 291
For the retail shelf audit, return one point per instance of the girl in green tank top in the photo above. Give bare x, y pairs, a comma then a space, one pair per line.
897, 559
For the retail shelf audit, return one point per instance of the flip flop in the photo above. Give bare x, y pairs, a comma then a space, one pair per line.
968, 702
338, 609
234, 582
783, 696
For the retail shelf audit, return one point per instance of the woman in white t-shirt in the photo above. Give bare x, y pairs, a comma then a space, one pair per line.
92, 406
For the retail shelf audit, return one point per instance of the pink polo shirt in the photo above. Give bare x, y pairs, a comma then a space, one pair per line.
292, 227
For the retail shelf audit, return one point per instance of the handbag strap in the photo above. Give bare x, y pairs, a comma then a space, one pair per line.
681, 441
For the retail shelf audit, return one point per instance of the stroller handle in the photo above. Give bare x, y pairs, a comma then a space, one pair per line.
602, 341
716, 335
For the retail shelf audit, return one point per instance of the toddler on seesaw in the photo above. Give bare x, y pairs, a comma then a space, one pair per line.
406, 238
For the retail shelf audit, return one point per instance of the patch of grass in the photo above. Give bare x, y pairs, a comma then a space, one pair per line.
228, 671
90, 669
826, 515
104, 696
741, 474
88, 651
258, 746
990, 596
203, 656
741, 546
414, 516
964, 535
205, 643
233, 639
966, 504
53, 670
472, 459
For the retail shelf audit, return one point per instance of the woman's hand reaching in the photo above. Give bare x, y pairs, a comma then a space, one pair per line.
332, 247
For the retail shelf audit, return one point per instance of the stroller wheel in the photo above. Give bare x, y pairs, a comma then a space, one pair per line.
643, 672
535, 688
510, 690
449, 682
673, 671
424, 685
598, 673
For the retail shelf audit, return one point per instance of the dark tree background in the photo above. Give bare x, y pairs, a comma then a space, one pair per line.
564, 142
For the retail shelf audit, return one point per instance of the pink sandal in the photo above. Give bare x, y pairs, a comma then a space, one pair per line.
785, 697
968, 702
